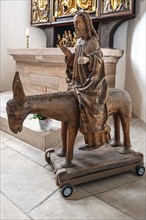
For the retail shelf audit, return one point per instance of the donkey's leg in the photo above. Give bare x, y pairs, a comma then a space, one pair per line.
64, 139
116, 141
125, 120
71, 136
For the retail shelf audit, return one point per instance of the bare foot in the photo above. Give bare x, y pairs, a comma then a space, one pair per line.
61, 154
88, 148
113, 143
124, 150
67, 164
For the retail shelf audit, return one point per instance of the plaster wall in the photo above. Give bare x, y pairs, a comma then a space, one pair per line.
130, 37
15, 19
131, 68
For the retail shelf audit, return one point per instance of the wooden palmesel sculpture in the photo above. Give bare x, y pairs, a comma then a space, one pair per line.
85, 107
64, 106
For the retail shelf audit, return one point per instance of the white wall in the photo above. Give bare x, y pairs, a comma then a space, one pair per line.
15, 19
131, 69
135, 82
130, 37
120, 43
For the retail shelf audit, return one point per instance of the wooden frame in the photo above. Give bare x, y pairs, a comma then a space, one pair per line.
115, 8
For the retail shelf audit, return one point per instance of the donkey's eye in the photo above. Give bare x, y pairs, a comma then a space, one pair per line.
10, 102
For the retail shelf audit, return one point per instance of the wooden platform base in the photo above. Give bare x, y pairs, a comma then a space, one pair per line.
91, 165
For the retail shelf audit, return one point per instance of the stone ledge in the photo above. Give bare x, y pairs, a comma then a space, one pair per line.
55, 55
41, 140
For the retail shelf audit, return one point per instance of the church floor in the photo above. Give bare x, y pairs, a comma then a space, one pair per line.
29, 191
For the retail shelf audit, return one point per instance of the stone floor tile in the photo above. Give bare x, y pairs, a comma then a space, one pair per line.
23, 181
4, 136
2, 146
9, 211
138, 145
56, 207
130, 199
4, 97
27, 150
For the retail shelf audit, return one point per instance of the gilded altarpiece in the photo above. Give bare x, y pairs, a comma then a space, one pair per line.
48, 10
56, 18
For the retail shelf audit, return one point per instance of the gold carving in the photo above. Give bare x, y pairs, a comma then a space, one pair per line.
68, 39
35, 12
115, 5
40, 11
86, 5
68, 7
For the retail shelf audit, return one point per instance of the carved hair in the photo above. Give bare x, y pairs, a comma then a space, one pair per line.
89, 25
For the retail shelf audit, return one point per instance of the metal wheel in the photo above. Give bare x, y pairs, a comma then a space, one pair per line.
66, 191
140, 170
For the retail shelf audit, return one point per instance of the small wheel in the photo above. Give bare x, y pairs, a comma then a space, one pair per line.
66, 191
140, 170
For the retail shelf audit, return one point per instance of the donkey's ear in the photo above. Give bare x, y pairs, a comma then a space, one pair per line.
16, 77
18, 92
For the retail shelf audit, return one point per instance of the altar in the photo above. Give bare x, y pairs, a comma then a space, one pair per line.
42, 70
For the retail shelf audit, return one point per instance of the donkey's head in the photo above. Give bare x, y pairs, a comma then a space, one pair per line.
15, 107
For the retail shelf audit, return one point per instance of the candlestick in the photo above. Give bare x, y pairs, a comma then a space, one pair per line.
27, 38
27, 32
27, 41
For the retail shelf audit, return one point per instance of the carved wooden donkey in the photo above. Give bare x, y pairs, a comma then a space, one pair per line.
64, 106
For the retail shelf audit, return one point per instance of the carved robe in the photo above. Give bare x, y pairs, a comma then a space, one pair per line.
90, 86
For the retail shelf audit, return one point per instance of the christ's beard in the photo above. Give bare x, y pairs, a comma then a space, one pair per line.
81, 33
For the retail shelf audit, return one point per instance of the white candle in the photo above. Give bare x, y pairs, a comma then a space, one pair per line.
27, 32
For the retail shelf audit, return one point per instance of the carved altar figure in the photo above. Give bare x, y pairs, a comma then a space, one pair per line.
88, 80
67, 39
86, 5
58, 40
42, 3
44, 13
70, 39
66, 7
35, 12
115, 4
120, 4
107, 6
